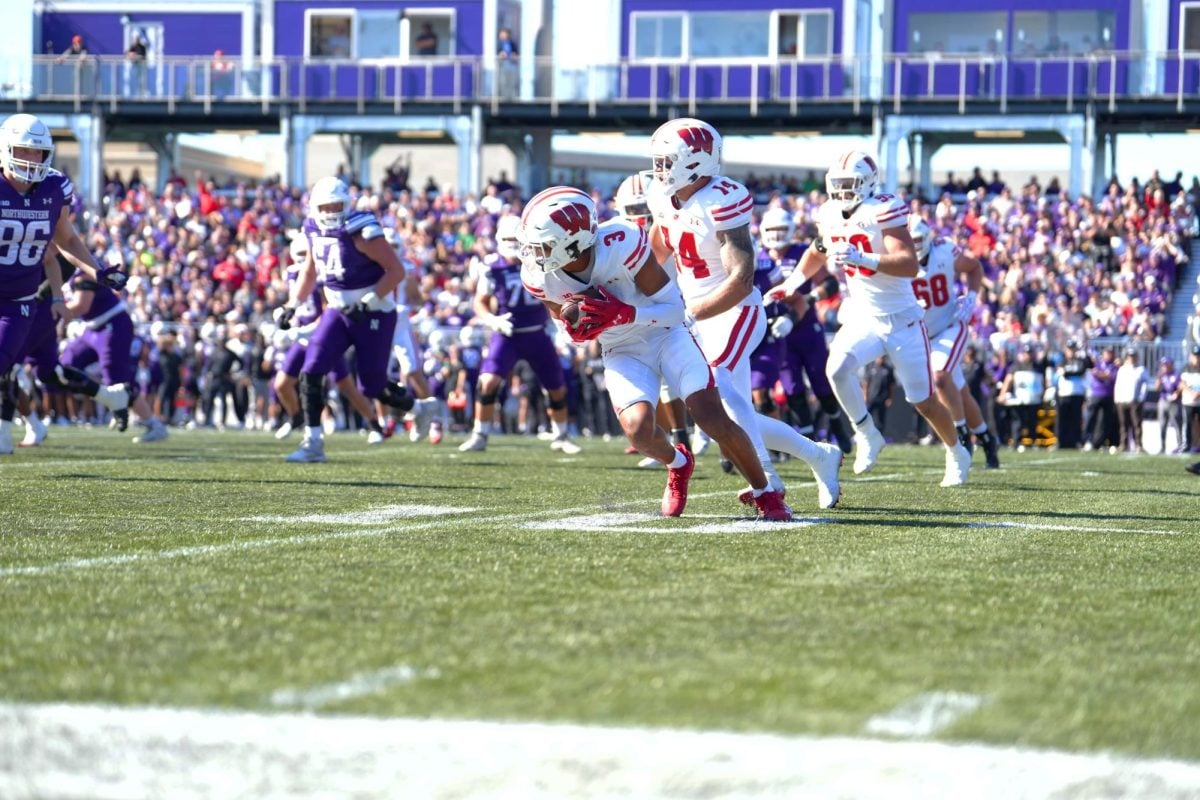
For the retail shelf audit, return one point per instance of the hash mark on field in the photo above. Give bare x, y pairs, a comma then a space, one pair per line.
372, 516
360, 685
1045, 526
924, 715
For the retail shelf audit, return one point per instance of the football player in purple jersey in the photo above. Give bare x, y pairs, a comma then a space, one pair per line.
109, 340
293, 343
35, 201
359, 270
518, 323
41, 352
795, 331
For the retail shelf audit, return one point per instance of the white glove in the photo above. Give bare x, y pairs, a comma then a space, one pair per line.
847, 255
500, 323
965, 307
781, 327
373, 302
281, 339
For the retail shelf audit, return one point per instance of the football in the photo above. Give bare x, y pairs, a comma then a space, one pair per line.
570, 311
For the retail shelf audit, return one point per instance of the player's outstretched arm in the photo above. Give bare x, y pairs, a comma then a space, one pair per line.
67, 240
812, 262
737, 256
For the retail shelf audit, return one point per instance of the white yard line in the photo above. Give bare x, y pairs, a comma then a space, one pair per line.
361, 685
78, 752
1047, 526
372, 516
924, 715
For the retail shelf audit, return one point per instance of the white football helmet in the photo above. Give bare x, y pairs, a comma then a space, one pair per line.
298, 249
631, 198
853, 178
25, 130
685, 150
508, 242
328, 192
922, 236
776, 228
556, 227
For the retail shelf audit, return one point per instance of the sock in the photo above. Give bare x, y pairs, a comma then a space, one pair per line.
374, 426
980, 429
314, 434
556, 429
679, 461
679, 436
960, 423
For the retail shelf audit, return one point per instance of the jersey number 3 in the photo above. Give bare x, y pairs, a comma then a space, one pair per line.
687, 255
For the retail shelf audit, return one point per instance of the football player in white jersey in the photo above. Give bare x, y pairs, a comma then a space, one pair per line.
947, 318
704, 219
630, 201
865, 234
405, 349
638, 320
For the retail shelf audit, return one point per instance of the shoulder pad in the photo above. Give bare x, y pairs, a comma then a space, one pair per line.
729, 202
365, 224
889, 211
534, 283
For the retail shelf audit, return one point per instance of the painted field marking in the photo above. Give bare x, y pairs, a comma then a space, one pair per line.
372, 516
84, 751
924, 715
361, 685
1046, 526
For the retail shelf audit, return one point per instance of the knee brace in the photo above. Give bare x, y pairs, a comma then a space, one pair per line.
312, 398
556, 405
396, 396
75, 381
490, 398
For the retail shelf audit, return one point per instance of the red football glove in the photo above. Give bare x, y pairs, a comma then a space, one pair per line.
605, 313
580, 334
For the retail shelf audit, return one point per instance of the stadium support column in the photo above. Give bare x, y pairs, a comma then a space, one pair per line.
535, 160
166, 153
1100, 165
467, 133
89, 132
892, 136
1075, 132
297, 129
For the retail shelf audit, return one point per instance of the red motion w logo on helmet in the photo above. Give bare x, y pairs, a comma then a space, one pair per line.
572, 218
698, 139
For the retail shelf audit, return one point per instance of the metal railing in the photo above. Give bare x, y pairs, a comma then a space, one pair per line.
899, 80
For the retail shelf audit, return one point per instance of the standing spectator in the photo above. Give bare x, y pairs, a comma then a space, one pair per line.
1169, 388
506, 63
1022, 390
1190, 397
879, 386
170, 364
78, 75
1071, 389
1101, 424
135, 66
426, 43
221, 80
1129, 392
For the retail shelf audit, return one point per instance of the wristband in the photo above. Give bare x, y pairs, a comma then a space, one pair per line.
57, 300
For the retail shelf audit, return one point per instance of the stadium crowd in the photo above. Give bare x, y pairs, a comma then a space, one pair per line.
207, 261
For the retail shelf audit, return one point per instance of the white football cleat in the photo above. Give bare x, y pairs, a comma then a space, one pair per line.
564, 444
958, 463
311, 451
155, 432
825, 470
477, 441
700, 442
284, 430
867, 445
35, 431
114, 398
375, 437
422, 412
649, 463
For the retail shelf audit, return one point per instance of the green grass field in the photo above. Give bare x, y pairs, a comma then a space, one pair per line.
517, 584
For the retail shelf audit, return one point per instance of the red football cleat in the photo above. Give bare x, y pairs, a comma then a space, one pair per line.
675, 495
771, 507
746, 496
389, 428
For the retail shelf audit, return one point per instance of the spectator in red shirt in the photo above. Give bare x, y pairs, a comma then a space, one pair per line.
229, 273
